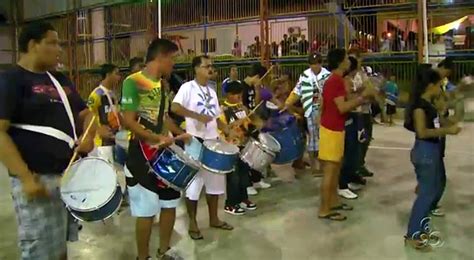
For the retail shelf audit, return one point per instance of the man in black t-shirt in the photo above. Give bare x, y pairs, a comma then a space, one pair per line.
251, 86
37, 140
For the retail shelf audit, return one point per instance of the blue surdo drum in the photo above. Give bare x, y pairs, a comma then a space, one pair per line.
90, 189
174, 167
218, 156
285, 130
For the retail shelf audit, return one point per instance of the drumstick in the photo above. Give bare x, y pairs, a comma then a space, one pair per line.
74, 156
248, 116
255, 108
267, 73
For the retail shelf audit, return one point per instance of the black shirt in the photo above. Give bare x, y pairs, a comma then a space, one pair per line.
432, 118
248, 95
31, 98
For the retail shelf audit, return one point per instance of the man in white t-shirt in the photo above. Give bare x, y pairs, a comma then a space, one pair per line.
198, 103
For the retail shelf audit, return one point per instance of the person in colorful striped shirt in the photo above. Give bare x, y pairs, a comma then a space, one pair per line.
308, 90
144, 107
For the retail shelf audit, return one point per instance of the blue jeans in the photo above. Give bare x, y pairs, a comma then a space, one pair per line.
425, 157
442, 179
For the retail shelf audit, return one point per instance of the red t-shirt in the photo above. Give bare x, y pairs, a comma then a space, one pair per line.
331, 118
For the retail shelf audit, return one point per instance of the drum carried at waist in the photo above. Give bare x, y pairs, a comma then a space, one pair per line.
285, 130
259, 154
171, 166
216, 156
91, 191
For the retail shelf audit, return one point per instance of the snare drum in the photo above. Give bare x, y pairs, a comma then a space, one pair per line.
174, 167
219, 157
91, 191
259, 154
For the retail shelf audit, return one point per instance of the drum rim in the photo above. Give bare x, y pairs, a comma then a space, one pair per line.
221, 152
168, 183
108, 199
197, 165
261, 146
220, 172
109, 216
171, 185
265, 147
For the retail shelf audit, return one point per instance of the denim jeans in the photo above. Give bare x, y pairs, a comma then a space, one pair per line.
351, 152
425, 157
237, 183
442, 179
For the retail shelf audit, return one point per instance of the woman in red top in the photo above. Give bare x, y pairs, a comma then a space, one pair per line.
331, 147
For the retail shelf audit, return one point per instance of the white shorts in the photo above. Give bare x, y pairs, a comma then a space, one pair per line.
145, 203
214, 183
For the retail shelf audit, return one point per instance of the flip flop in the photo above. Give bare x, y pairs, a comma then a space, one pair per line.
343, 206
335, 216
224, 226
195, 235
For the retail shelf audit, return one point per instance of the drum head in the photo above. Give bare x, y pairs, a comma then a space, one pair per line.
90, 185
221, 147
269, 142
184, 156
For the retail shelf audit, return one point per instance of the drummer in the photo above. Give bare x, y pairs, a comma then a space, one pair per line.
36, 158
308, 91
103, 103
198, 103
144, 108
251, 97
234, 114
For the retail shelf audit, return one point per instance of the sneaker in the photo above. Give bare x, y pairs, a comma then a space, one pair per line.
347, 194
261, 185
363, 171
236, 210
248, 205
355, 186
437, 212
251, 191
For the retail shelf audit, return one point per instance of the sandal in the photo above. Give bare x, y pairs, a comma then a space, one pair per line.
343, 206
223, 226
195, 235
336, 216
417, 244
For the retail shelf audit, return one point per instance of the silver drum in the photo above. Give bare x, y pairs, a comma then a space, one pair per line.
260, 154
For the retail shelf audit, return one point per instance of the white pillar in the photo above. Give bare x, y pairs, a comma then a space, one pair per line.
425, 33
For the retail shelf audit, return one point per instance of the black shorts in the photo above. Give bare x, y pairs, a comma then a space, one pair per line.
140, 170
391, 109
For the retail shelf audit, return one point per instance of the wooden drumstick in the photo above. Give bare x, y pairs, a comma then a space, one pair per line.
267, 73
74, 156
255, 108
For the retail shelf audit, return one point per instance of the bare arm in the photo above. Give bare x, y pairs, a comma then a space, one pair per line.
419, 118
345, 106
184, 112
171, 125
131, 123
292, 99
10, 156
87, 144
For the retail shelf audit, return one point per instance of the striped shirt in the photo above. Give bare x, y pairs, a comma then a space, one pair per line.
309, 88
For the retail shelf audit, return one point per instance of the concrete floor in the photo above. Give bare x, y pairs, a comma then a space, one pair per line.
285, 225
